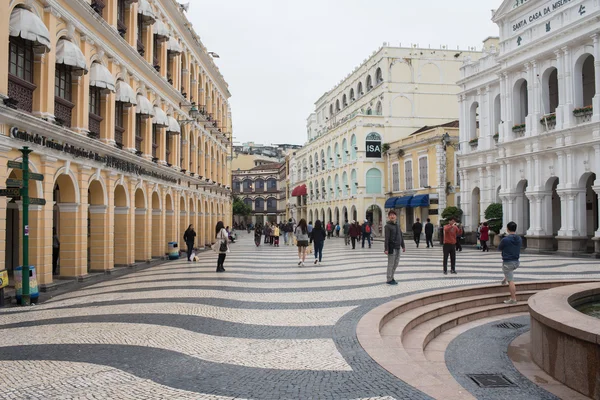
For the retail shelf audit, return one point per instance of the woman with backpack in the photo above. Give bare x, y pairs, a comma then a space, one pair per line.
301, 233
318, 237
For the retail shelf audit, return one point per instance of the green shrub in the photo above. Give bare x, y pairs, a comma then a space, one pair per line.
493, 214
450, 212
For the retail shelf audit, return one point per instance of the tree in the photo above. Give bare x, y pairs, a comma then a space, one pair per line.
493, 215
450, 212
240, 208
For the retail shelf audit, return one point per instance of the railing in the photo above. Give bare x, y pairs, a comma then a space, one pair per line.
583, 115
94, 127
63, 111
140, 48
519, 130
22, 92
549, 121
122, 28
138, 143
119, 132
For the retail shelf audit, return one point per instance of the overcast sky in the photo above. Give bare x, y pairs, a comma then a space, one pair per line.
280, 56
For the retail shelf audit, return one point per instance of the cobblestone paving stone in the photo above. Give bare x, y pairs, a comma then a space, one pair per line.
265, 329
482, 350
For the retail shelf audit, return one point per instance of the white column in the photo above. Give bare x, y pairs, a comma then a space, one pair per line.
597, 190
561, 89
534, 212
596, 100
535, 113
569, 119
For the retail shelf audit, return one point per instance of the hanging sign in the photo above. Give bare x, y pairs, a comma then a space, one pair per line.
373, 145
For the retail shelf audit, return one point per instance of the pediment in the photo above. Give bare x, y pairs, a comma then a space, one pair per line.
508, 6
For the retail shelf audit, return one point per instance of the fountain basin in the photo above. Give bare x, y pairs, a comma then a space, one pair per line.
565, 342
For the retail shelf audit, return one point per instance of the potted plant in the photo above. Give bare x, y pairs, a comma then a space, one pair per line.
496, 137
583, 111
518, 127
493, 215
548, 118
473, 142
385, 147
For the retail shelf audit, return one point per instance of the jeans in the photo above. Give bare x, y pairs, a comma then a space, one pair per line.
221, 261
429, 239
190, 248
285, 238
319, 249
449, 250
368, 237
393, 261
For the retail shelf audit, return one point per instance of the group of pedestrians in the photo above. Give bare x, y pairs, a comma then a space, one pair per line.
221, 246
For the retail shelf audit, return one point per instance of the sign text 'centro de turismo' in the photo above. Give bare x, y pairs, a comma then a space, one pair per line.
522, 22
109, 161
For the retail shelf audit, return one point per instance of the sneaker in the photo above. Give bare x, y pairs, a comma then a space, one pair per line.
392, 282
316, 261
302, 264
510, 301
503, 282
299, 263
453, 272
445, 272
319, 263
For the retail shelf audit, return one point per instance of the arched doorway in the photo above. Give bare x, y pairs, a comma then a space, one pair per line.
169, 221
199, 224
522, 209
475, 209
141, 227
322, 215
589, 205
354, 213
329, 216
158, 245
556, 220
66, 223
375, 217
344, 214
336, 214
97, 251
183, 220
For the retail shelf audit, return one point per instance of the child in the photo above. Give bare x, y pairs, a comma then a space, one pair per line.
275, 235
511, 251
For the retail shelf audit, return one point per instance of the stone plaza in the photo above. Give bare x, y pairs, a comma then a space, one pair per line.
264, 329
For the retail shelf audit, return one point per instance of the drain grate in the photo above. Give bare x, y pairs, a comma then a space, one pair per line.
509, 325
491, 380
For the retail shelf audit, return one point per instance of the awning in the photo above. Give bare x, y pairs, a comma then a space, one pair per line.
144, 107
299, 191
125, 93
420, 200
173, 46
145, 10
101, 77
160, 30
160, 117
391, 202
402, 202
69, 53
28, 26
174, 126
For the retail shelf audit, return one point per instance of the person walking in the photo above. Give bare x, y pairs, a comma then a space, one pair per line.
366, 233
417, 229
337, 229
189, 236
429, 233
310, 227
329, 229
276, 236
484, 237
393, 242
55, 251
451, 233
479, 236
257, 234
221, 245
459, 234
346, 233
354, 233
510, 246
301, 233
287, 230
318, 237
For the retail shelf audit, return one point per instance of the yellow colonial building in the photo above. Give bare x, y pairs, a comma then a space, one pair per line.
421, 177
130, 126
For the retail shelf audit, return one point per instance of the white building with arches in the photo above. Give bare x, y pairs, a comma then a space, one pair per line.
341, 171
529, 124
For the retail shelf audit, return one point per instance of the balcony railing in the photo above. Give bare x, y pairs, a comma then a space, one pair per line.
22, 92
63, 111
94, 127
519, 130
583, 114
549, 121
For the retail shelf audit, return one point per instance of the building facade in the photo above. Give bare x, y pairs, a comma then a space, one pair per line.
421, 176
392, 94
530, 124
129, 123
263, 188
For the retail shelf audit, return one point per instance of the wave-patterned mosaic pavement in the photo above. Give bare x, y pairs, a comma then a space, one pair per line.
265, 329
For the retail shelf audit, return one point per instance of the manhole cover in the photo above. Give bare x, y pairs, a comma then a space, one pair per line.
509, 325
491, 380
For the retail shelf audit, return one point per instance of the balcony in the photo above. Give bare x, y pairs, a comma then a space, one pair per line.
62, 111
22, 92
583, 114
549, 121
94, 127
519, 130
474, 143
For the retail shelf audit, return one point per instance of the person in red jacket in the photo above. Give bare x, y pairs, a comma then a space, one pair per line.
484, 236
354, 233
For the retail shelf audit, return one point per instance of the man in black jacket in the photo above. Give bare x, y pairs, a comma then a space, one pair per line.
392, 244
417, 228
429, 233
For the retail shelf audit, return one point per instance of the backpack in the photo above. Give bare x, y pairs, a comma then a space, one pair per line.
337, 228
367, 228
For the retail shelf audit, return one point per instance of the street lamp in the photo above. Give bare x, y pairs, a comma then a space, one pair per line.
193, 112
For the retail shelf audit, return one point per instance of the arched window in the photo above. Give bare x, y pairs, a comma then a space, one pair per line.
345, 152
338, 190
520, 102
550, 91
63, 101
352, 96
337, 106
271, 204
379, 109
359, 90
310, 164
585, 81
331, 110
369, 111
336, 155
378, 76
317, 162
497, 114
353, 147
354, 182
310, 190
344, 100
345, 185
369, 83
329, 158
330, 187
272, 185
323, 190
474, 121
259, 204
374, 181
323, 162
259, 185
247, 201
247, 185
